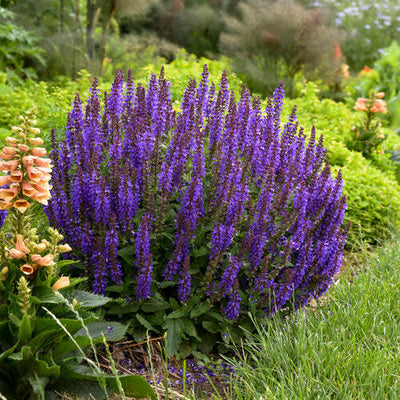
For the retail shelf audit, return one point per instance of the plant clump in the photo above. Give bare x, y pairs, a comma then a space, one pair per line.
214, 210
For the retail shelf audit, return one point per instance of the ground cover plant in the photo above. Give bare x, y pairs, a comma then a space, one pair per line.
198, 216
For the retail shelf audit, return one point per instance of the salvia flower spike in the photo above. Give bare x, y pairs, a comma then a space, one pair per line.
220, 200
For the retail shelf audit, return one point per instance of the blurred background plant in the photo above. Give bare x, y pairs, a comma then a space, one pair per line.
368, 134
19, 50
276, 40
367, 26
383, 76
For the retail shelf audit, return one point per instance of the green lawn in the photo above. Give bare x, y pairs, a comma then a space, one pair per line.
348, 347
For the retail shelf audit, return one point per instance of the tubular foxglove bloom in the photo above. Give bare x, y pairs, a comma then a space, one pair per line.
26, 182
222, 199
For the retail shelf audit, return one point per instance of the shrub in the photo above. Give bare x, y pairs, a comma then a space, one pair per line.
373, 201
369, 218
200, 214
18, 49
275, 40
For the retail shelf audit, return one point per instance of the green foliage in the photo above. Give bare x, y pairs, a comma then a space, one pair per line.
370, 185
186, 67
194, 25
367, 28
190, 328
52, 99
275, 40
373, 199
18, 49
35, 346
384, 77
344, 348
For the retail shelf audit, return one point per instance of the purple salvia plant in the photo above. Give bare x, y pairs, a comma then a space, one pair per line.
221, 198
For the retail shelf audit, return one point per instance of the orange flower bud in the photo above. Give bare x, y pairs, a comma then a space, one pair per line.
27, 269
16, 176
21, 205
36, 141
5, 180
20, 245
43, 162
17, 254
23, 147
27, 189
8, 153
39, 151
40, 247
45, 242
8, 165
45, 261
28, 161
6, 205
61, 283
64, 248
8, 194
34, 174
361, 104
379, 107
12, 142
380, 95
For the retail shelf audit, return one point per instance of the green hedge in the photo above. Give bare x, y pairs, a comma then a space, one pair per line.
373, 193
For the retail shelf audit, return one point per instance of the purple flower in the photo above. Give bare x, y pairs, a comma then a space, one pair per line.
143, 256
218, 180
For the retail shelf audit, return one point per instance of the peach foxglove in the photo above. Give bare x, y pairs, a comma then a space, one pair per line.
8, 153
5, 180
21, 205
20, 245
379, 106
28, 161
28, 189
16, 176
8, 165
43, 162
9, 194
36, 141
34, 174
6, 205
361, 104
27, 269
45, 261
17, 254
12, 142
23, 147
39, 151
61, 283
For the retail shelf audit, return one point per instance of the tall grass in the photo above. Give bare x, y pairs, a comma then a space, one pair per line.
347, 348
